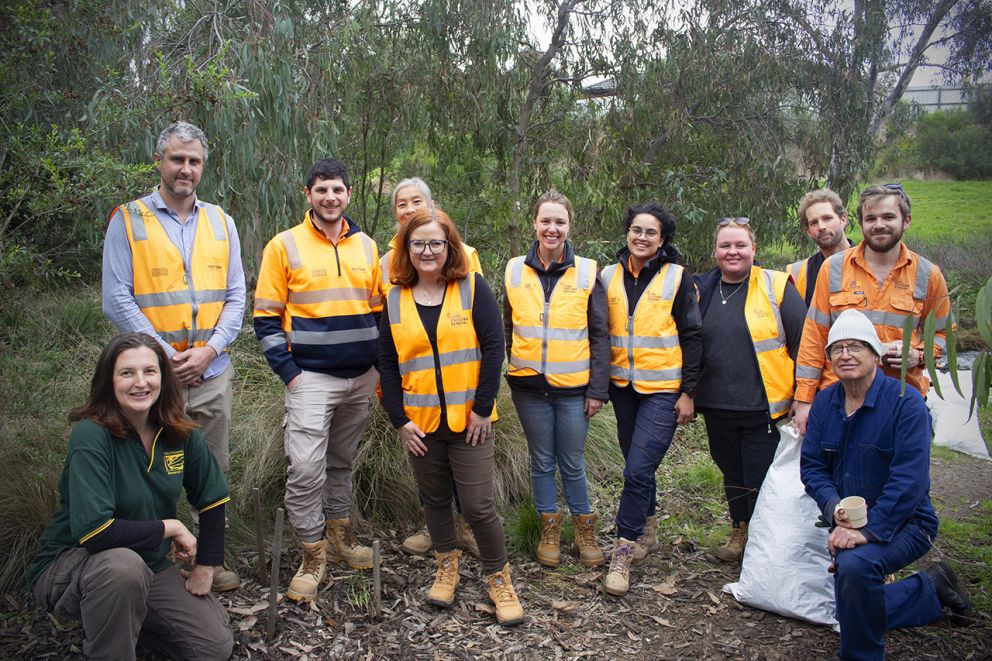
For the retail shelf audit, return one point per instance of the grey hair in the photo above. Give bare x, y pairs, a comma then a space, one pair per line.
421, 185
186, 132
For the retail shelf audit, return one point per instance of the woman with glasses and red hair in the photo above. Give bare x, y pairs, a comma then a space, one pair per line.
752, 324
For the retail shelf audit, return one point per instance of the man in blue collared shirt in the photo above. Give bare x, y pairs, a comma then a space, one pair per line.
866, 439
172, 269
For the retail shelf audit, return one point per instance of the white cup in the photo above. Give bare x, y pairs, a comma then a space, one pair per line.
856, 510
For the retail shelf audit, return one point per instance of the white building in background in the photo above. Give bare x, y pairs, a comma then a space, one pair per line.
938, 97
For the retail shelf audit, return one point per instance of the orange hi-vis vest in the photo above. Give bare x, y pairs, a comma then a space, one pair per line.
550, 337
183, 307
458, 352
644, 343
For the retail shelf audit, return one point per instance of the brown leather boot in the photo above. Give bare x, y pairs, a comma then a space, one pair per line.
733, 550
343, 547
548, 548
442, 593
304, 585
586, 547
466, 538
648, 541
419, 543
509, 612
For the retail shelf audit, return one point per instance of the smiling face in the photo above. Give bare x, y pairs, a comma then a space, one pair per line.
824, 226
644, 238
328, 198
409, 200
882, 223
551, 225
180, 167
430, 262
137, 382
852, 360
734, 253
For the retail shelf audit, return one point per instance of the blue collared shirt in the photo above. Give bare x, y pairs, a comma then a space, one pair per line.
119, 305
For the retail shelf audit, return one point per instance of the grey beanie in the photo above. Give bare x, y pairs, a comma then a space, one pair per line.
853, 325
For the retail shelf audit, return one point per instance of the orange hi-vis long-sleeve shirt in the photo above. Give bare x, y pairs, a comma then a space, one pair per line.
914, 287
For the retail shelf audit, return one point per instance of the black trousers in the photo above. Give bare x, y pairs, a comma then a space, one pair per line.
743, 446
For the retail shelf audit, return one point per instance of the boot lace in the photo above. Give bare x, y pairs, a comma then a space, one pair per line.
346, 536
502, 590
586, 535
550, 532
446, 570
311, 563
622, 557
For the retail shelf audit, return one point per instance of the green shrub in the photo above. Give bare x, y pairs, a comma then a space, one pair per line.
951, 142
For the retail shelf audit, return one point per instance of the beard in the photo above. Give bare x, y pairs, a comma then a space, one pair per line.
884, 242
828, 241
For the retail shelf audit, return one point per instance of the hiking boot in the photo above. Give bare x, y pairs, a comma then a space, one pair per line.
304, 585
733, 550
466, 538
343, 547
225, 580
585, 541
442, 593
617, 581
509, 612
648, 541
548, 551
419, 543
945, 584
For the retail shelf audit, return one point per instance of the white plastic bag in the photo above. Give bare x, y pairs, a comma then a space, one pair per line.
785, 561
951, 426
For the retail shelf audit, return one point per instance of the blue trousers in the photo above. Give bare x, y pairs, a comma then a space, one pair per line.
556, 428
645, 427
867, 607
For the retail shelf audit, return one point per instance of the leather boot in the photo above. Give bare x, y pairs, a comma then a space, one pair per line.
648, 541
585, 541
442, 593
304, 585
466, 538
343, 547
509, 612
225, 580
548, 551
419, 543
945, 584
617, 580
733, 550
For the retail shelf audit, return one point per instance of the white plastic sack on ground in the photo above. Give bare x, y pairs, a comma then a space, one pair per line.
785, 562
951, 427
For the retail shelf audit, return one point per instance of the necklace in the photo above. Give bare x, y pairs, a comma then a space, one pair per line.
433, 298
723, 298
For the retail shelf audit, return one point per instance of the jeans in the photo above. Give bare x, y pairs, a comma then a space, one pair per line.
867, 607
645, 427
556, 428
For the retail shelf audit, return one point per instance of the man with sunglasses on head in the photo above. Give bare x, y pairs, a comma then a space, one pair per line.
317, 308
823, 217
886, 281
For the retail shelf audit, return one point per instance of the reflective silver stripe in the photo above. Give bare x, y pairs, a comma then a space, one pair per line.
211, 295
514, 271
940, 323
465, 291
447, 359
940, 342
672, 272
334, 337
672, 374
796, 268
270, 341
384, 267
269, 305
367, 243
550, 367
329, 294
806, 372
586, 272
216, 219
620, 372
768, 345
417, 364
163, 299
138, 230
779, 340
537, 333
883, 318
607, 274
451, 398
644, 342
393, 305
923, 269
180, 336
292, 250
821, 318
780, 407
836, 272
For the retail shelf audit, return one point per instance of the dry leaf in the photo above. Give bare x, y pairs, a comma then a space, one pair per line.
484, 608
715, 599
662, 621
566, 606
666, 587
247, 623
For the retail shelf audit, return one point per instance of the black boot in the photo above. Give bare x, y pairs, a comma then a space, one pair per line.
950, 594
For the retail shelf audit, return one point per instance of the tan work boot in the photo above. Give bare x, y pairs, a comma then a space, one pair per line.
225, 580
466, 538
648, 541
304, 585
586, 547
442, 593
509, 612
733, 550
419, 543
617, 581
343, 547
548, 551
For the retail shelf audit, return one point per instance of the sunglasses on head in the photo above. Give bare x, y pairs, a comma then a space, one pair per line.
736, 220
897, 187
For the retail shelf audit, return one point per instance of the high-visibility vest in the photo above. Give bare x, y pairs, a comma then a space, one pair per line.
458, 353
183, 307
644, 344
471, 254
550, 337
763, 316
799, 272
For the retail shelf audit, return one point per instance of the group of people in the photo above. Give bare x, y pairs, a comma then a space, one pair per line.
335, 320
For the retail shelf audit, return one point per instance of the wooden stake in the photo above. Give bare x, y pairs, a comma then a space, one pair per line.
270, 625
376, 582
263, 574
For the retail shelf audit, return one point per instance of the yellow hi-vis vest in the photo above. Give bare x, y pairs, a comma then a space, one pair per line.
765, 290
550, 337
458, 352
183, 307
644, 344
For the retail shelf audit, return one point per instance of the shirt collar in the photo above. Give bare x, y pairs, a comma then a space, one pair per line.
905, 256
156, 199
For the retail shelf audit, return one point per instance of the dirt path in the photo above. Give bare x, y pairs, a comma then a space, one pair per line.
675, 610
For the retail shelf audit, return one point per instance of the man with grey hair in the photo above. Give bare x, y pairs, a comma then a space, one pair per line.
823, 218
172, 269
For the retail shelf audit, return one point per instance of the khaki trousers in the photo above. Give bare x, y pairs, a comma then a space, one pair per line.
209, 405
325, 418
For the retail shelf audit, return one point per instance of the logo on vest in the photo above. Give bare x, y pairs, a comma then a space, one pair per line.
318, 273
174, 462
160, 272
458, 320
902, 285
359, 269
853, 283
215, 267
569, 289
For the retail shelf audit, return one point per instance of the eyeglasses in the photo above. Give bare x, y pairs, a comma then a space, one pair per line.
638, 231
419, 246
736, 220
853, 349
